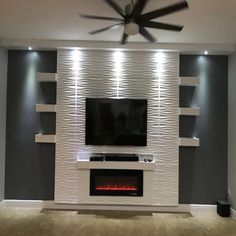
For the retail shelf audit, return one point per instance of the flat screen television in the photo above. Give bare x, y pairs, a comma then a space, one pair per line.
119, 122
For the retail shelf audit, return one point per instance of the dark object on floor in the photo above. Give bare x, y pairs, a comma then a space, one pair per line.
223, 208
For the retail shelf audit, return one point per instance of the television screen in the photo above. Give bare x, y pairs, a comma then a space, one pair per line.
121, 122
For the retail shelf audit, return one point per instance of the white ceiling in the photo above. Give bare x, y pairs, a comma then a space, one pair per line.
206, 21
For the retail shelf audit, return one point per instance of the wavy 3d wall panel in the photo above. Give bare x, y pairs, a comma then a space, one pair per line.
118, 74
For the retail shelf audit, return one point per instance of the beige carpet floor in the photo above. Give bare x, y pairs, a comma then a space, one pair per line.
35, 222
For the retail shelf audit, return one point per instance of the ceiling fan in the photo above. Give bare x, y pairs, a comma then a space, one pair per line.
135, 22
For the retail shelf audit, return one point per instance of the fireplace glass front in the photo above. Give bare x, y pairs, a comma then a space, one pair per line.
112, 182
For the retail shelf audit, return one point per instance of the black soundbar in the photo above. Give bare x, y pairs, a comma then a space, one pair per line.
97, 158
121, 158
115, 157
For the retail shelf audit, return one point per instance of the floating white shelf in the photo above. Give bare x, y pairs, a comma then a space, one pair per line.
45, 138
47, 77
189, 81
189, 111
46, 108
84, 164
189, 142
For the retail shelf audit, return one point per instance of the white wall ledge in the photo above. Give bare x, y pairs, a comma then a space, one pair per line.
46, 77
189, 111
45, 138
189, 142
46, 108
189, 81
133, 165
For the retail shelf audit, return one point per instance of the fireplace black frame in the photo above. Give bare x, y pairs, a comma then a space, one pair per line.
116, 172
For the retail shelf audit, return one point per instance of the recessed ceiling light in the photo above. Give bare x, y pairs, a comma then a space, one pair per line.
206, 52
30, 48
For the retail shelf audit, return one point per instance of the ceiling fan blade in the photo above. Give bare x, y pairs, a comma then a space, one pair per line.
100, 17
116, 7
138, 8
146, 35
163, 26
124, 38
106, 28
165, 11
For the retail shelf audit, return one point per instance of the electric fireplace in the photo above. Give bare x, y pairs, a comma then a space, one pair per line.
109, 182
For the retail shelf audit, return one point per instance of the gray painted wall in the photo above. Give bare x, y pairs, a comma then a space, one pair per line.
29, 166
232, 130
3, 90
203, 170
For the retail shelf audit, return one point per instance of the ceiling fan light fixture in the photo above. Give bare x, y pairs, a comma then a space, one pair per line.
131, 28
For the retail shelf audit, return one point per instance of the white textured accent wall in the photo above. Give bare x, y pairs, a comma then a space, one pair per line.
118, 74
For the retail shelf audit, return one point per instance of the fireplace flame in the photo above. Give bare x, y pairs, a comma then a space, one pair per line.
117, 188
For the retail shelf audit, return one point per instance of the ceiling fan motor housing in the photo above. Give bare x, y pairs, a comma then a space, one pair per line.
131, 28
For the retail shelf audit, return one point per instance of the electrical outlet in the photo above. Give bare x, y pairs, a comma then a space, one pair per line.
229, 193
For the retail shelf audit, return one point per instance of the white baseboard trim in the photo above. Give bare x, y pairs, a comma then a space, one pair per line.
176, 209
233, 213
51, 205
181, 208
203, 207
26, 203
